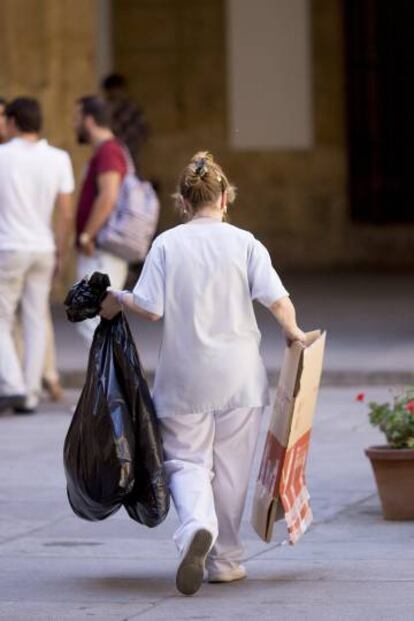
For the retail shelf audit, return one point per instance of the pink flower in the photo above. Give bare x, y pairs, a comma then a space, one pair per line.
360, 396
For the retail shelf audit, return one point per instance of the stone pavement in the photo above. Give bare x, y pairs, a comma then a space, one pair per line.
368, 315
351, 565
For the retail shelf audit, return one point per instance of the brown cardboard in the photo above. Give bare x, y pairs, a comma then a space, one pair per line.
280, 490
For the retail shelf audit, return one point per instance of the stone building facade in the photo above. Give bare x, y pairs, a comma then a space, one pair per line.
175, 56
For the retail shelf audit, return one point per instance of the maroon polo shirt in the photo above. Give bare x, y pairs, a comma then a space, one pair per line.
108, 157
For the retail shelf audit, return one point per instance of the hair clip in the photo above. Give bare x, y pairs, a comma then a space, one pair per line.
201, 168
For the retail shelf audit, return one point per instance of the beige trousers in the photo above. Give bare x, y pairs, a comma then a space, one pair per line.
25, 280
50, 372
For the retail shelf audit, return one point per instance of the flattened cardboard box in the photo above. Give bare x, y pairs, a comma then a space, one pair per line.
280, 490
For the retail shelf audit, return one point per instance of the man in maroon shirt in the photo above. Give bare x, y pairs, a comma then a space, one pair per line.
98, 195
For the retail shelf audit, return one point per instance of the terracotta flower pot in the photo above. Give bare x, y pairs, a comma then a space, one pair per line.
394, 473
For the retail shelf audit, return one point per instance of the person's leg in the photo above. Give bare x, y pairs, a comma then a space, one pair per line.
50, 375
86, 266
106, 263
12, 270
35, 304
188, 460
18, 334
234, 446
188, 445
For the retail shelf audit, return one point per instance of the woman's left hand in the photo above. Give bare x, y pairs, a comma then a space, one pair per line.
110, 305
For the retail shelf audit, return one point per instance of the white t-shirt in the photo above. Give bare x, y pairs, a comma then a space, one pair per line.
202, 277
32, 174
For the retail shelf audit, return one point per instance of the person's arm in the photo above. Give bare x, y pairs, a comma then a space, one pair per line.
105, 202
63, 228
267, 288
284, 311
115, 301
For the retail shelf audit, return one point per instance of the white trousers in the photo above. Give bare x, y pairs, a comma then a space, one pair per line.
25, 279
100, 261
208, 459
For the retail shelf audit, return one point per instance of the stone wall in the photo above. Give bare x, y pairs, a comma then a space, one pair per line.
174, 53
48, 51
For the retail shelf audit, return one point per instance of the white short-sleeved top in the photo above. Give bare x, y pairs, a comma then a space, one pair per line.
202, 278
32, 174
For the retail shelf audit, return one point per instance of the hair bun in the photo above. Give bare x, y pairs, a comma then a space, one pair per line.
201, 183
201, 167
201, 163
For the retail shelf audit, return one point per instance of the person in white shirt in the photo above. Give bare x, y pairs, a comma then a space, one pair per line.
34, 176
50, 375
210, 386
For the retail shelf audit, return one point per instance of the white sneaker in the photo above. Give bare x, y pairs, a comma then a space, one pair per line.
237, 573
190, 571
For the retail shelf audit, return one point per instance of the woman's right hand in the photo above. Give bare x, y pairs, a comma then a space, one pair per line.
110, 305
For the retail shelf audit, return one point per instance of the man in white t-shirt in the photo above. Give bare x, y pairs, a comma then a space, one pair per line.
34, 177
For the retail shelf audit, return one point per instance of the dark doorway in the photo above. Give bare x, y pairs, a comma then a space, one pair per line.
379, 39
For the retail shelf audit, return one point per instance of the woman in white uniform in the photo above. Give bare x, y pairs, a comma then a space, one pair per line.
210, 386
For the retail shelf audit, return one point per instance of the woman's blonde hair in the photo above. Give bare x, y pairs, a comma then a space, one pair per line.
201, 183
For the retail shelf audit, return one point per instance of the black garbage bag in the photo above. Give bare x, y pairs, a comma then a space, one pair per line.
84, 299
112, 451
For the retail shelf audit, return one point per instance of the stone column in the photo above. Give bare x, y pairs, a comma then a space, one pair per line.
49, 50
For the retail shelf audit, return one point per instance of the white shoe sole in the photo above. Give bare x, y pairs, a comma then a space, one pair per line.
190, 572
225, 578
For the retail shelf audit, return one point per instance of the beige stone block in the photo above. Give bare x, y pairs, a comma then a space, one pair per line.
48, 51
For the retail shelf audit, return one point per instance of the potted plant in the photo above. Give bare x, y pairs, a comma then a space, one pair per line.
393, 464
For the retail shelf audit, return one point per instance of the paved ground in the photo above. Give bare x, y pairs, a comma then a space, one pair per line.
368, 316
352, 565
